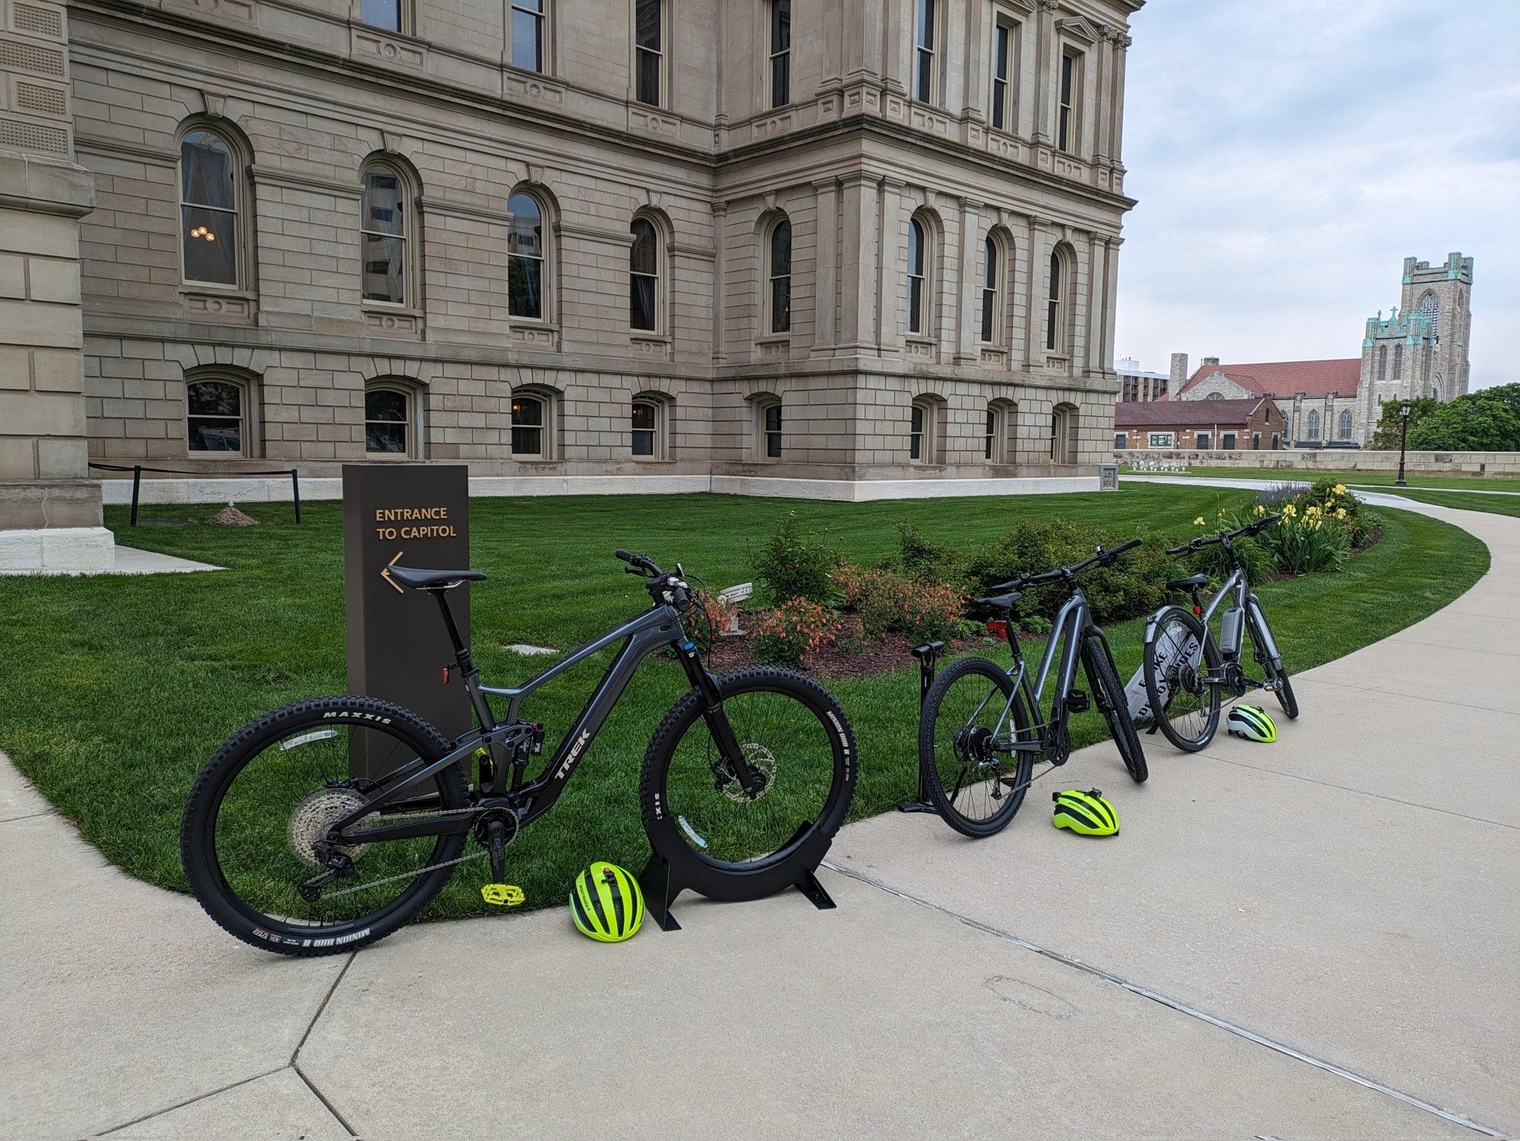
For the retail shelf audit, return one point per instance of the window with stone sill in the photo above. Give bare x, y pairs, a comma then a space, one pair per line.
1004, 81
529, 24
213, 209
1201, 441
649, 51
923, 432
1227, 441
387, 15
781, 52
768, 431
389, 421
1063, 434
527, 258
1069, 104
216, 419
926, 50
1058, 286
779, 277
530, 426
649, 428
387, 235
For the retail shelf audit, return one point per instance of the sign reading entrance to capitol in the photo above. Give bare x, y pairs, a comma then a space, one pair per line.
411, 515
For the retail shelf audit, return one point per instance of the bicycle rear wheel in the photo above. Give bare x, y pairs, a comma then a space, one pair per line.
1104, 680
790, 729
1180, 660
975, 788
254, 827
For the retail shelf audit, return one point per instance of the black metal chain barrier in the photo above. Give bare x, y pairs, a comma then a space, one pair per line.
138, 469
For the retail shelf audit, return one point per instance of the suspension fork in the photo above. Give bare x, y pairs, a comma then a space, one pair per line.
750, 780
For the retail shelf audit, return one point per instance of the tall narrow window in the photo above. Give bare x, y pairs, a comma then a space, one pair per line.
1312, 431
1063, 434
387, 422
530, 420
918, 423
1055, 305
648, 429
648, 50
781, 52
208, 209
1002, 75
1382, 362
381, 14
1430, 309
781, 277
1343, 425
991, 267
990, 437
384, 234
917, 275
770, 430
924, 53
644, 276
528, 34
216, 413
1068, 119
525, 258
1398, 361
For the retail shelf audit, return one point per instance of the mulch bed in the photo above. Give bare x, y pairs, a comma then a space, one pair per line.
849, 657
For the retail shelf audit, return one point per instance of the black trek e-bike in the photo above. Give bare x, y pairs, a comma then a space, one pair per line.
978, 737
329, 823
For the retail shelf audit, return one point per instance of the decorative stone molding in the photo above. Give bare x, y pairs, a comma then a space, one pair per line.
368, 44
535, 88
207, 305
221, 11
542, 338
392, 323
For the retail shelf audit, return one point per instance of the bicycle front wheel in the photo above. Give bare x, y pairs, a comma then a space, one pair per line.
1110, 694
1277, 673
1181, 663
253, 836
976, 788
792, 731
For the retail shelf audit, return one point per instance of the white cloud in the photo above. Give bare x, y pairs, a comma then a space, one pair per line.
1288, 156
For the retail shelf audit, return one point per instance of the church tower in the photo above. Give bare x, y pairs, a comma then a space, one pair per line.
1441, 296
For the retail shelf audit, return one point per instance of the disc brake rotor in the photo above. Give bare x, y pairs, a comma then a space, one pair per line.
763, 761
315, 816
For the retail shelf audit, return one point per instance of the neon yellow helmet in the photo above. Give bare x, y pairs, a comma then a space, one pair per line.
1252, 723
606, 903
1085, 812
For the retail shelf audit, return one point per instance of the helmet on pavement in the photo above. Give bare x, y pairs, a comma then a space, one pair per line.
606, 903
1085, 812
1252, 723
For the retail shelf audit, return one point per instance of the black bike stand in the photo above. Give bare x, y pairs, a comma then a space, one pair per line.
661, 881
927, 655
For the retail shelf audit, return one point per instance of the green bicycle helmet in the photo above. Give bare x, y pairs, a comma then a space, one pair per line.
606, 903
1252, 723
1085, 812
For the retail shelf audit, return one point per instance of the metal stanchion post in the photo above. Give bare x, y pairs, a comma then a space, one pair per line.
928, 656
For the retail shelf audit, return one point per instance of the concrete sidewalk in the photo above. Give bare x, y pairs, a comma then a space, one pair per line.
1313, 939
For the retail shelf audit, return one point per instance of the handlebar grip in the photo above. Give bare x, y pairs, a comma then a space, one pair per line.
1188, 546
626, 556
1122, 548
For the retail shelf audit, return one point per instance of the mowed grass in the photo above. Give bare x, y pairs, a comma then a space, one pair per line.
115, 690
1466, 501
1365, 478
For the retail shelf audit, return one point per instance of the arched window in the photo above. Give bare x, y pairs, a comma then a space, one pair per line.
1398, 361
781, 52
644, 277
780, 274
211, 208
998, 446
526, 258
1214, 396
650, 427
1382, 362
532, 438
1343, 426
1055, 303
386, 234
992, 308
1311, 432
216, 416
1430, 309
389, 420
1063, 434
768, 432
528, 34
923, 431
918, 277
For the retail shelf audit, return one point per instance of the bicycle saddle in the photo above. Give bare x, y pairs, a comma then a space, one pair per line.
1000, 601
419, 579
1188, 583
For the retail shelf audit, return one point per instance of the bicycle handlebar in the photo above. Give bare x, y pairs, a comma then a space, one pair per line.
1107, 558
1197, 544
639, 564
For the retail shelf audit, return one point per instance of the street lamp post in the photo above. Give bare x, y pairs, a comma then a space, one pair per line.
1404, 409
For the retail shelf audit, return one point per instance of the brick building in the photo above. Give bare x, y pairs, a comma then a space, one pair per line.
1199, 425
844, 240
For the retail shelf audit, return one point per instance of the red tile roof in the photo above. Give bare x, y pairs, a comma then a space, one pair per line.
1285, 379
1180, 413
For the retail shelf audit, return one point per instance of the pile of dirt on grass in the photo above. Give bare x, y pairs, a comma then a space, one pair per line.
230, 516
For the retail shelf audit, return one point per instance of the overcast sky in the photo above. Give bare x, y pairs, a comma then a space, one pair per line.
1288, 155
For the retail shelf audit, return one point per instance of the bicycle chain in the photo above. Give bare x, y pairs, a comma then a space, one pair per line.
422, 870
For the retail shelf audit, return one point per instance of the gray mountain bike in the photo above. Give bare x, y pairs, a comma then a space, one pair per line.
1188, 672
981, 730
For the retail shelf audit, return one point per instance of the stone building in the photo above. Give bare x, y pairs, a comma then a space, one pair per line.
838, 240
1420, 349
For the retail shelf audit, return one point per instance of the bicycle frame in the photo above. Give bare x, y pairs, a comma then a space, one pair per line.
641, 636
1072, 626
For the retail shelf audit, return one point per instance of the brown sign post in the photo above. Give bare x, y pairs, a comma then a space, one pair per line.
414, 515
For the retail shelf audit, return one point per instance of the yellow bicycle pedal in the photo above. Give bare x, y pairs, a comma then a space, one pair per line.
502, 894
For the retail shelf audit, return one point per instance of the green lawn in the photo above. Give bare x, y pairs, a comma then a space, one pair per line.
1465, 501
1365, 478
115, 690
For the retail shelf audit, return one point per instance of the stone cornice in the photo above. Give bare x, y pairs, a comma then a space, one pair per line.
93, 144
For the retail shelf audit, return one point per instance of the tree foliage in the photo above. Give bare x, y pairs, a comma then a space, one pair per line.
1484, 421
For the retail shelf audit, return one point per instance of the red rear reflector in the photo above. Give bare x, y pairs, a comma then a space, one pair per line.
998, 626
1198, 611
445, 675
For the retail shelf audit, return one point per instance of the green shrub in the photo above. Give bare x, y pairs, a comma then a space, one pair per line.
1307, 541
892, 602
796, 565
1215, 562
792, 631
927, 560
